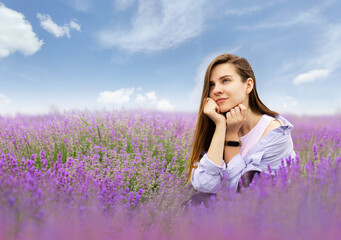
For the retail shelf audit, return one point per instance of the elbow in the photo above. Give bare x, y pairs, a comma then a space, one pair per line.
205, 188
205, 183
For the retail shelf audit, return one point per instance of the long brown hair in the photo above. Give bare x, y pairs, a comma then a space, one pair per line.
205, 127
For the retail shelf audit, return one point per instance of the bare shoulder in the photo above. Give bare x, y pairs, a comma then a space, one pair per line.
272, 125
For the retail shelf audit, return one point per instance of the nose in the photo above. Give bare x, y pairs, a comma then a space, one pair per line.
217, 89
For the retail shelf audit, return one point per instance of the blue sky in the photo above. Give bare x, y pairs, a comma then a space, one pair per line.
130, 54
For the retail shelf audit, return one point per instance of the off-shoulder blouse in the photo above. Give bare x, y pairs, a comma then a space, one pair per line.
267, 152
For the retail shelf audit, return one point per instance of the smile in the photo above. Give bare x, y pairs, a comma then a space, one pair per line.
220, 100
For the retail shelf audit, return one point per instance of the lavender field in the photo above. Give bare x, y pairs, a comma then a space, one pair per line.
122, 175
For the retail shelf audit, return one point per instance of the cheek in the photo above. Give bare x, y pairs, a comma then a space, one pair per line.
238, 95
242, 95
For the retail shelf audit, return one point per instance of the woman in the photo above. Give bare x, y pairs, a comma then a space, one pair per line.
236, 133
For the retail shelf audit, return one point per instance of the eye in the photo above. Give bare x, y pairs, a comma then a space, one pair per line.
226, 80
211, 85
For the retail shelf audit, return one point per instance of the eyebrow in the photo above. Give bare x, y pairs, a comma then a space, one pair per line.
225, 76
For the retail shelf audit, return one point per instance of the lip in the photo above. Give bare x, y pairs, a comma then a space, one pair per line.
219, 100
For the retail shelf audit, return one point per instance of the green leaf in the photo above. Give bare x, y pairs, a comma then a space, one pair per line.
81, 119
99, 133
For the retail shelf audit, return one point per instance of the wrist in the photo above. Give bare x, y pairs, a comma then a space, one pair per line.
231, 136
233, 143
221, 125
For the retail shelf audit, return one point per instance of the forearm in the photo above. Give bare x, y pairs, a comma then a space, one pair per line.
207, 176
230, 151
216, 149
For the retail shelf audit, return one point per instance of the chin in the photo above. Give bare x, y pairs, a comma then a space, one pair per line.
224, 109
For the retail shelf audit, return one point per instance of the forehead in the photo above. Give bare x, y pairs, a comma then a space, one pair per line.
223, 69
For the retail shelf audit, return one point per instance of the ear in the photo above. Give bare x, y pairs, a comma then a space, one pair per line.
249, 85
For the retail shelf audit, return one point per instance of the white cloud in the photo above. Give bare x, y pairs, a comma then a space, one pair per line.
47, 23
79, 5
146, 100
118, 97
123, 4
289, 102
311, 76
157, 25
165, 105
16, 34
75, 25
328, 49
140, 98
282, 104
325, 55
310, 16
151, 95
82, 5
251, 9
4, 100
245, 11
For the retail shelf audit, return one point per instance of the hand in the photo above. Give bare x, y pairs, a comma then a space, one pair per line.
211, 109
235, 118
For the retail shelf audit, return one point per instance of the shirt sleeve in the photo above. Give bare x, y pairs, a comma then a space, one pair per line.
238, 166
269, 155
207, 176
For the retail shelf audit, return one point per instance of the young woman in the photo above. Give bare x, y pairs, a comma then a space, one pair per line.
235, 133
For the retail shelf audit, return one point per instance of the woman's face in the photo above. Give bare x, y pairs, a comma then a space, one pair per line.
227, 88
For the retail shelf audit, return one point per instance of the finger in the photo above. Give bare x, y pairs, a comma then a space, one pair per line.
228, 116
210, 100
238, 114
206, 100
216, 108
208, 103
233, 113
243, 110
241, 106
212, 106
237, 111
213, 102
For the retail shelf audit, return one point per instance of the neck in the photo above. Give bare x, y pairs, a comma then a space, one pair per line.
251, 120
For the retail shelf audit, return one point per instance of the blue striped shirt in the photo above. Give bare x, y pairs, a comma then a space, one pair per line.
268, 151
